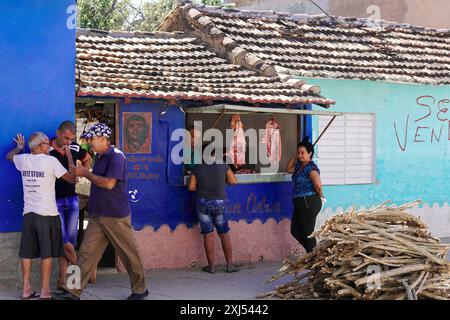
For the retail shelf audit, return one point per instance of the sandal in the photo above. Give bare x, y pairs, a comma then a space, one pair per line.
232, 269
59, 285
208, 269
34, 295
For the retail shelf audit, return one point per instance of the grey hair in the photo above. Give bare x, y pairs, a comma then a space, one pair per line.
36, 139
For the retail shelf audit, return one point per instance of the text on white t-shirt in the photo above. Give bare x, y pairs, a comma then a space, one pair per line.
39, 173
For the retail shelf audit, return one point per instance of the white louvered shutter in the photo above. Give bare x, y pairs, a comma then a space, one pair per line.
345, 153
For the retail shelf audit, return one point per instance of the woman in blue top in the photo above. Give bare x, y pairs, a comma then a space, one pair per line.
307, 194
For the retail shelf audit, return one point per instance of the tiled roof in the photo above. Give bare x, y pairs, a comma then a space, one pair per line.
169, 66
322, 46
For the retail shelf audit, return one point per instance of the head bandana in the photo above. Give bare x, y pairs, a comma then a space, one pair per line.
99, 129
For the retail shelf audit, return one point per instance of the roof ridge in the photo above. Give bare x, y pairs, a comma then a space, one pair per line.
131, 34
320, 18
239, 55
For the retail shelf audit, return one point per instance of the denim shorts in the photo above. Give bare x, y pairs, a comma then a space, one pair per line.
69, 211
211, 213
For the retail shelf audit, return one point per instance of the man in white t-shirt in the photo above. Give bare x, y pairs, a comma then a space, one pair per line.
41, 229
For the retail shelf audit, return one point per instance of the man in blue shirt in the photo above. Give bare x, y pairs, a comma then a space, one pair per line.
109, 216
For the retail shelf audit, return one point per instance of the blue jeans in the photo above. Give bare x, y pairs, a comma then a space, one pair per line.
211, 213
69, 211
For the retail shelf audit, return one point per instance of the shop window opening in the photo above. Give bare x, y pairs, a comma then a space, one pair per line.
221, 117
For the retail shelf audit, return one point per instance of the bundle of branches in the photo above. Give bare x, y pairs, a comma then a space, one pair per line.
382, 253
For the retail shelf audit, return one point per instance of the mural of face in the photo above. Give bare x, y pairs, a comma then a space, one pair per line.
136, 130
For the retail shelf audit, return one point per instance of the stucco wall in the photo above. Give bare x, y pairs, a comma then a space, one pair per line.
427, 13
37, 84
183, 247
412, 157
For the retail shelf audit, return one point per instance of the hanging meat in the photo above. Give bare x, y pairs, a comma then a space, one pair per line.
238, 144
272, 140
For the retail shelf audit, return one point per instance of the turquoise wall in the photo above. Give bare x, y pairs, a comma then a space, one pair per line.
412, 162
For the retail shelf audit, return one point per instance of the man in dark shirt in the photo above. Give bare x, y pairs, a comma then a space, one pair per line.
67, 151
208, 180
109, 216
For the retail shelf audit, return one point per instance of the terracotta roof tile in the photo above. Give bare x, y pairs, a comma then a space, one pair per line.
170, 65
317, 46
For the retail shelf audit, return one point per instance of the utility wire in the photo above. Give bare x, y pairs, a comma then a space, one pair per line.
332, 18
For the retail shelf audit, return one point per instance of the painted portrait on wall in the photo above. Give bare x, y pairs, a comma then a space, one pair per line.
137, 132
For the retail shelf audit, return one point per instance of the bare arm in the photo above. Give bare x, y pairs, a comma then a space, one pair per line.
291, 166
69, 177
20, 141
317, 183
231, 178
102, 182
192, 186
87, 161
69, 155
99, 181
12, 153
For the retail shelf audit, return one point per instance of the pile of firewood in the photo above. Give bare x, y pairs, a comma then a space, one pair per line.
382, 253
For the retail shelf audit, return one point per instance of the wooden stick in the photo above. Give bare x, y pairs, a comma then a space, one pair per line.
407, 243
394, 272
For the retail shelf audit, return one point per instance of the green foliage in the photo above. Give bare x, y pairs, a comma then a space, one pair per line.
126, 15
152, 14
212, 2
104, 14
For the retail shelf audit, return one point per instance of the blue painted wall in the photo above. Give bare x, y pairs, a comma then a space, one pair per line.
418, 170
37, 84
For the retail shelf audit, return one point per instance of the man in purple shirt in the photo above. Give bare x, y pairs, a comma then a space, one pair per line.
109, 216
